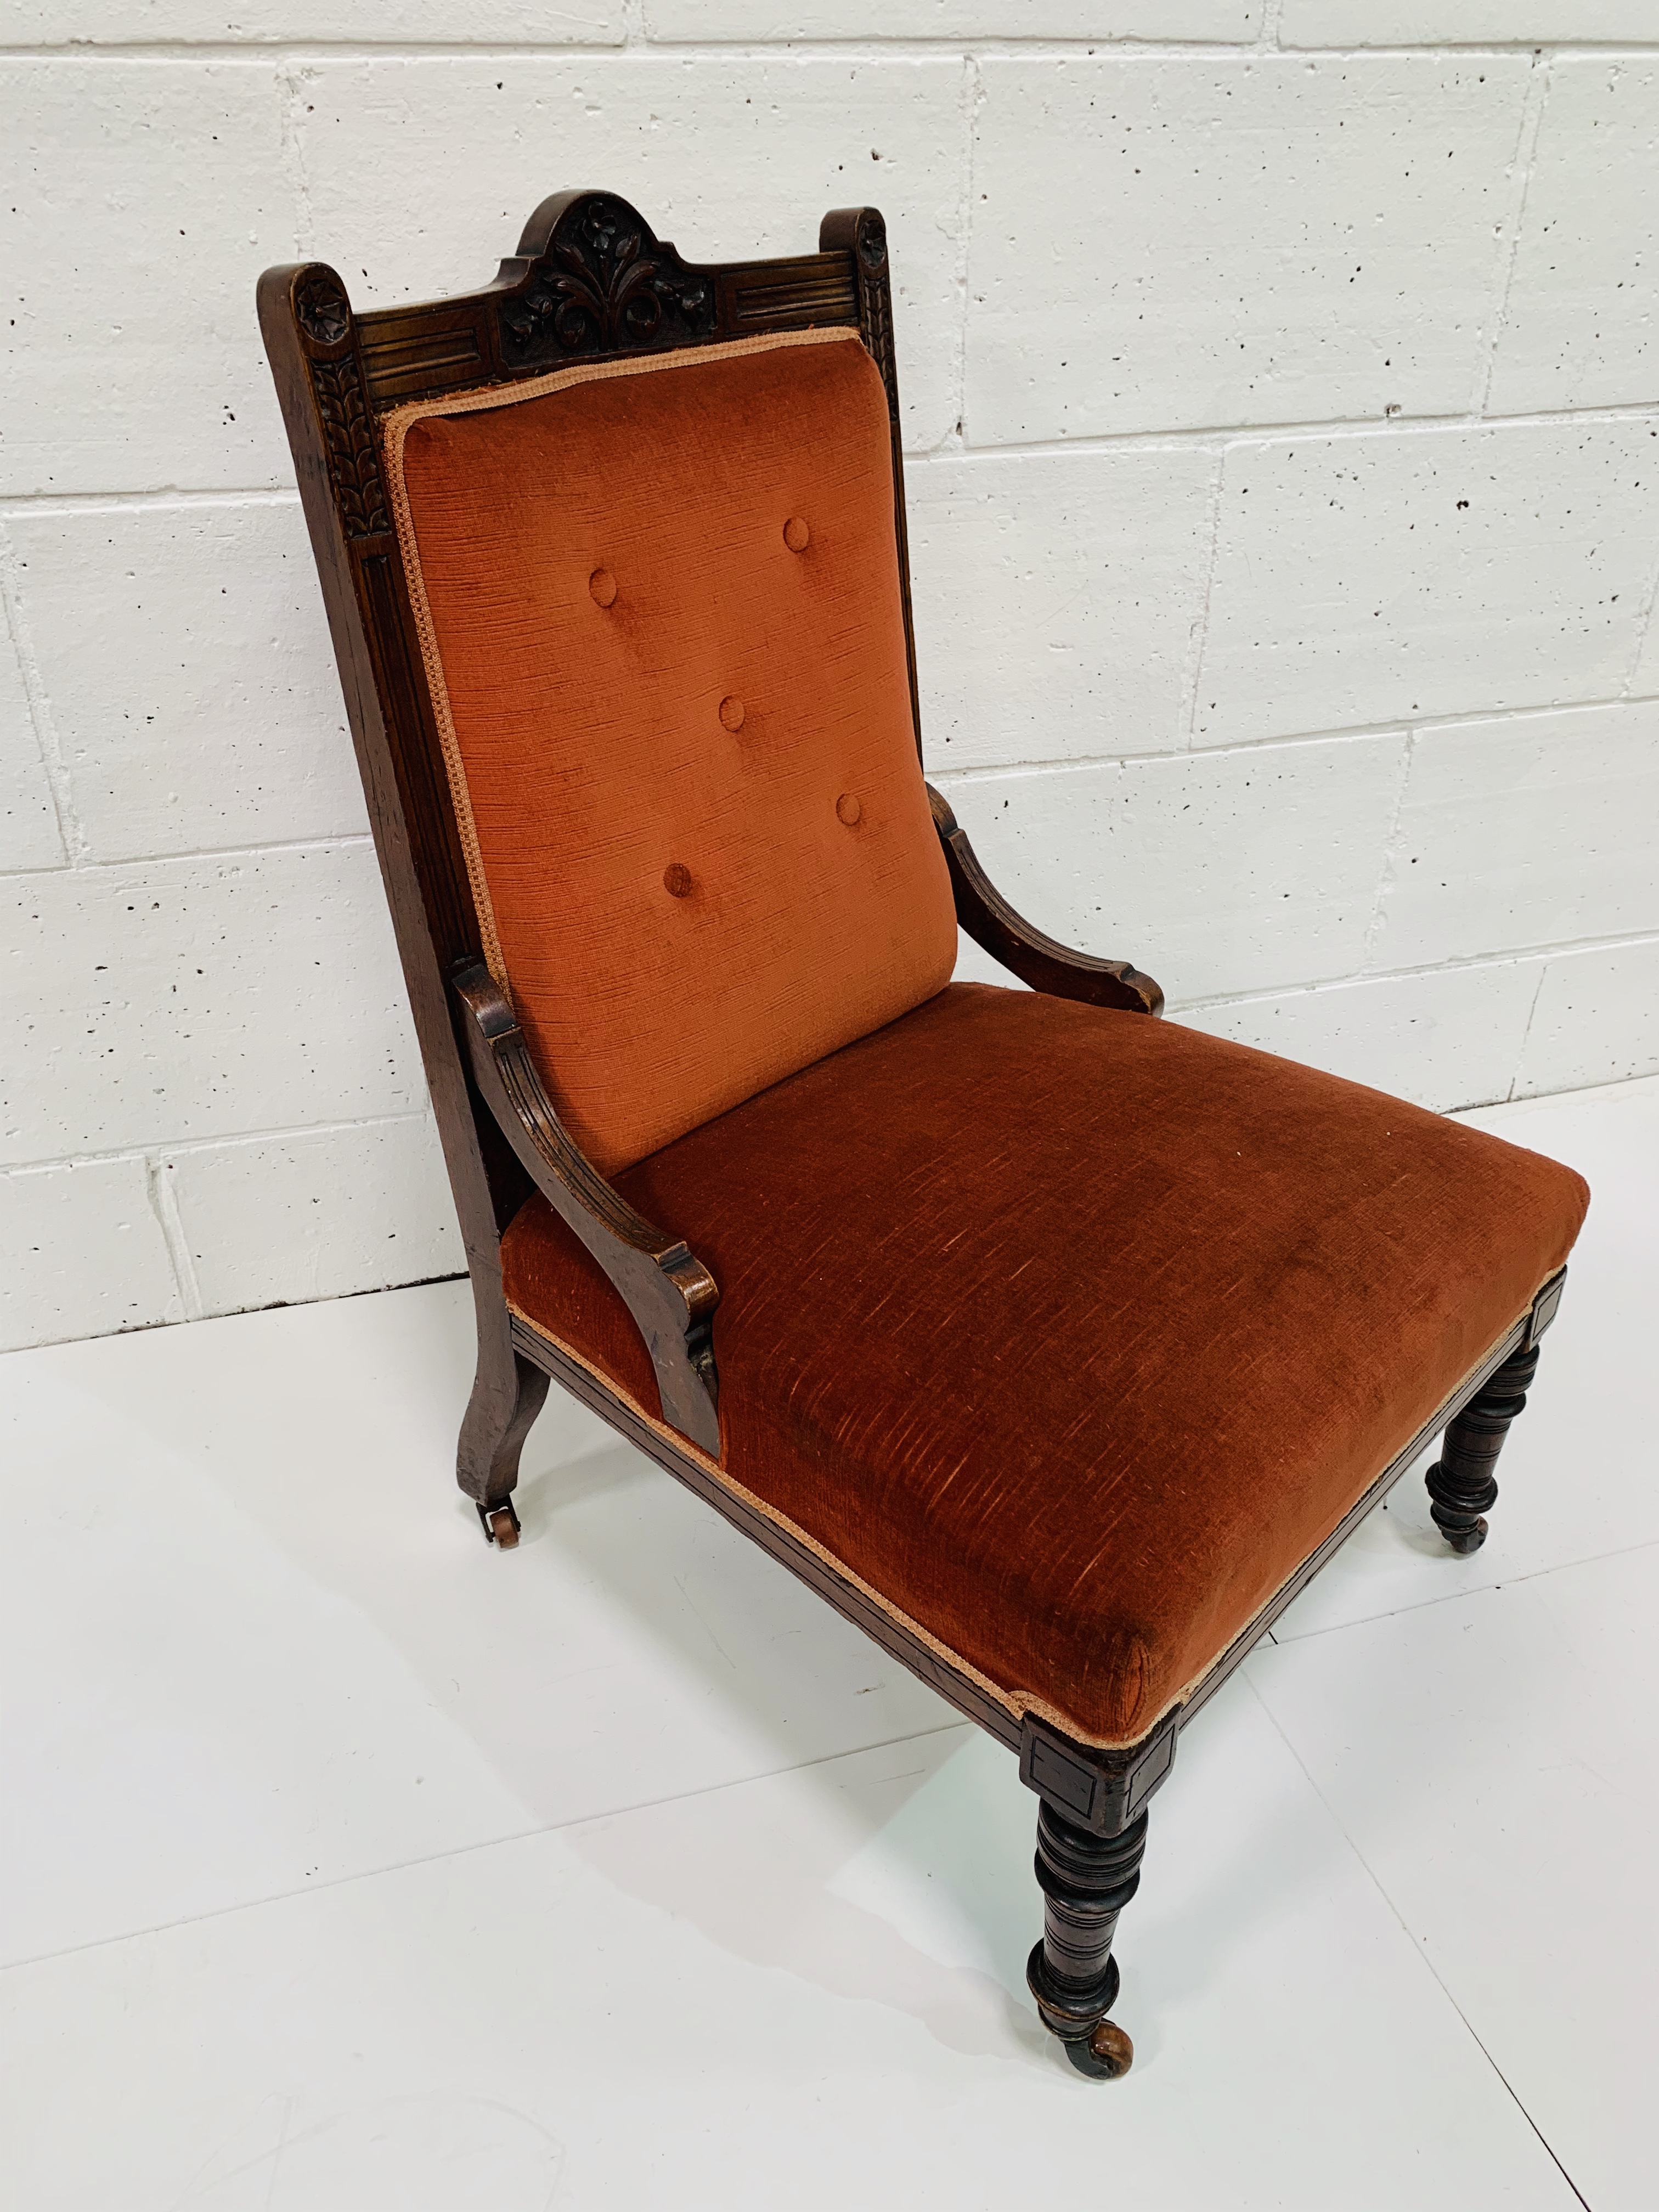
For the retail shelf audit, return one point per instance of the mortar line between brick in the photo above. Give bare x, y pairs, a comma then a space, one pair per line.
289, 97
1268, 38
1642, 630
1334, 427
1390, 847
948, 777
1192, 673
972, 95
71, 835
187, 1148
164, 1205
1515, 956
1526, 1034
861, 46
1419, 725
1526, 146
212, 855
1210, 437
21, 504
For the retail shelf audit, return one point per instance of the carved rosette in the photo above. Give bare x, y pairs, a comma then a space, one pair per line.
604, 285
872, 241
323, 310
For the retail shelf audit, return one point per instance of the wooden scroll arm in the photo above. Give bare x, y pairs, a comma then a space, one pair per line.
669, 1291
1035, 959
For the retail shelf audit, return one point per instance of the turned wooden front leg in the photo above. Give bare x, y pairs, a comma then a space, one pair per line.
1086, 1881
1462, 1486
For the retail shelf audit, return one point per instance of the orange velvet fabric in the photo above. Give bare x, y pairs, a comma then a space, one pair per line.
1071, 1333
666, 614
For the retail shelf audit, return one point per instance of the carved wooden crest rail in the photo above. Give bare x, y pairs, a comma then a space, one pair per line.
604, 284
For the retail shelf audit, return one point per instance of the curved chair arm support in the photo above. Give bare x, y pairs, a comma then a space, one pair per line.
1026, 953
666, 1288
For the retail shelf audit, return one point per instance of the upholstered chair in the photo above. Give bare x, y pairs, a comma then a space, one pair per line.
1054, 1344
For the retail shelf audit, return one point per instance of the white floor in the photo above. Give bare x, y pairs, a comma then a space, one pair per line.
349, 1865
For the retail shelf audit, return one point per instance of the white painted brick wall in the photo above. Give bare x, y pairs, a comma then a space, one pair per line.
1579, 330
1387, 574
1058, 597
185, 671
1280, 389
725, 156
1257, 239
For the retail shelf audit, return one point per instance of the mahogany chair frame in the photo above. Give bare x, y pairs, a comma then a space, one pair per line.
590, 279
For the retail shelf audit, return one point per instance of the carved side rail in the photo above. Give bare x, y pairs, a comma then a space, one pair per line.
1026, 953
668, 1291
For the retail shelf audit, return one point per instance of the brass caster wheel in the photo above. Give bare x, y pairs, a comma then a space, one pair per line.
1466, 1539
500, 1524
1103, 2055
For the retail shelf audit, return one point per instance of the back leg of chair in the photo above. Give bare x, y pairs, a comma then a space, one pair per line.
1462, 1488
1086, 1881
506, 1395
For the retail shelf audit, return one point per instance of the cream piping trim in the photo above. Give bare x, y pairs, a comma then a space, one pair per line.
1017, 1702
394, 429
1428, 1430
1008, 1701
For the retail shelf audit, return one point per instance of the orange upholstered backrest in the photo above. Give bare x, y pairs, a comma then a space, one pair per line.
660, 606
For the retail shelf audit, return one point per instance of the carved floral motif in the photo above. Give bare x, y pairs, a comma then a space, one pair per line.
606, 285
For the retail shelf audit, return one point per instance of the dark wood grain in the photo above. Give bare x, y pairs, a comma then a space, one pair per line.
590, 277
861, 233
1025, 951
603, 283
1462, 1484
670, 1293
493, 1432
392, 734
1087, 1880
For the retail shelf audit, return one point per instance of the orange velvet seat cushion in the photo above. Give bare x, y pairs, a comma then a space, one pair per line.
659, 603
1071, 1333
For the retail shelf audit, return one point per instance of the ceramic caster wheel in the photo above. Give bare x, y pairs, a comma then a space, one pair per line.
1105, 2055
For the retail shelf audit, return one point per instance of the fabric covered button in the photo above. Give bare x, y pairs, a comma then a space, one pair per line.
677, 879
603, 585
732, 714
848, 810
796, 535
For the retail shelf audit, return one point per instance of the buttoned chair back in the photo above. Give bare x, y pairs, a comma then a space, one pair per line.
659, 602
